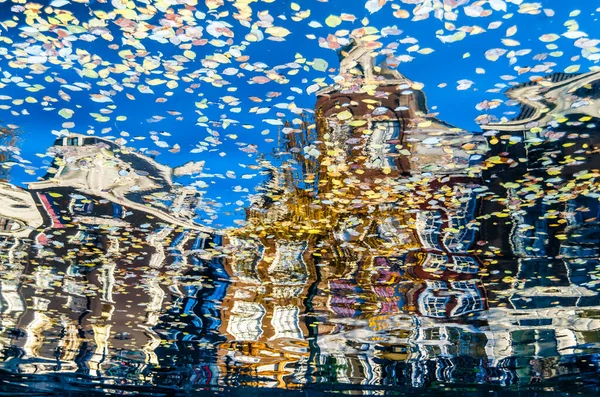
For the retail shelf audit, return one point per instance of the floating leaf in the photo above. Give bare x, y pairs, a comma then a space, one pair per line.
66, 113
333, 21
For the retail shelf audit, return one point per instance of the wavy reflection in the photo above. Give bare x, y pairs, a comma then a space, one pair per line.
398, 250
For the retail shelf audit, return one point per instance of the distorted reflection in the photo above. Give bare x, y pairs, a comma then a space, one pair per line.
391, 249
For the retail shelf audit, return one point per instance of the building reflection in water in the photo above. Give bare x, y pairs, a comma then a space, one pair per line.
394, 249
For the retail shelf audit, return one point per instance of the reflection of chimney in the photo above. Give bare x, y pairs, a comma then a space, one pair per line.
356, 55
360, 56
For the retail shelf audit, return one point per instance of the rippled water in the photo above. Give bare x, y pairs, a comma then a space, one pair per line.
384, 251
481, 277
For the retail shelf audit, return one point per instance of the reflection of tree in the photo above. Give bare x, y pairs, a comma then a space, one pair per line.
286, 204
311, 189
8, 140
298, 155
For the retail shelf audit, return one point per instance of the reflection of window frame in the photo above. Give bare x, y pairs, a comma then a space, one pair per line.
77, 206
429, 225
465, 264
89, 141
470, 301
245, 322
7, 225
459, 218
432, 305
386, 138
286, 322
435, 262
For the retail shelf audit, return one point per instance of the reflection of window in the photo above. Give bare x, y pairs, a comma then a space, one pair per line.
288, 263
90, 141
8, 225
245, 322
340, 133
80, 207
591, 91
435, 262
470, 300
358, 70
428, 227
433, 306
465, 264
385, 137
73, 141
458, 218
285, 321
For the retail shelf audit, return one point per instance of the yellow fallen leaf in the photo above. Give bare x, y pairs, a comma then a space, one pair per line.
277, 31
155, 81
572, 69
345, 115
333, 21
510, 42
66, 113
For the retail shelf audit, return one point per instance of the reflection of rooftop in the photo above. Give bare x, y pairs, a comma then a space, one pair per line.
385, 112
357, 70
557, 95
99, 167
18, 212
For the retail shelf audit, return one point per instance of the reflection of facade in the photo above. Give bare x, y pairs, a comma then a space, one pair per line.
431, 302
100, 246
538, 219
414, 180
376, 121
543, 213
386, 251
101, 168
263, 314
542, 164
417, 259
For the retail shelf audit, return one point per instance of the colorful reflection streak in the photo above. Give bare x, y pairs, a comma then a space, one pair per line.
409, 253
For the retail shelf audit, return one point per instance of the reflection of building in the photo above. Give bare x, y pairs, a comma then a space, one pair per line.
541, 171
413, 182
397, 267
262, 314
96, 251
376, 121
542, 218
522, 321
101, 168
392, 232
